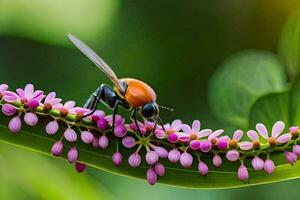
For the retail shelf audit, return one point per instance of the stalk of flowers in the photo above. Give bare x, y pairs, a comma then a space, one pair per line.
176, 141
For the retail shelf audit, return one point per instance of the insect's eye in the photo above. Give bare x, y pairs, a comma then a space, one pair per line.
148, 110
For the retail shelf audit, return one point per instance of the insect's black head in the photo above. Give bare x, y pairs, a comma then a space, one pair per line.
149, 110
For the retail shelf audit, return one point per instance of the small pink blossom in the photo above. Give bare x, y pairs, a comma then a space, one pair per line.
193, 133
51, 101
246, 145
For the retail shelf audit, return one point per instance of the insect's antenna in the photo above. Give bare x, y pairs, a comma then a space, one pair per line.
166, 108
158, 119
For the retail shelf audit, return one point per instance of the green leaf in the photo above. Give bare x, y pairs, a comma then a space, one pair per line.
270, 109
36, 139
288, 45
240, 81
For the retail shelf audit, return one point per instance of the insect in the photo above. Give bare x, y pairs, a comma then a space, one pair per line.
129, 93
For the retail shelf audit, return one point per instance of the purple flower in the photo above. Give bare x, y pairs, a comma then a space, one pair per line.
171, 131
27, 96
3, 88
217, 160
120, 130
193, 133
243, 173
151, 176
202, 168
257, 163
57, 148
72, 155
296, 149
117, 158
51, 101
276, 131
290, 157
52, 127
134, 160
151, 157
246, 145
128, 142
186, 159
220, 142
102, 123
8, 109
87, 137
174, 155
159, 169
15, 124
95, 143
70, 135
232, 155
31, 119
80, 167
269, 166
103, 142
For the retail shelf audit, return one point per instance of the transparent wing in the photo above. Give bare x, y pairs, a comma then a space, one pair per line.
96, 60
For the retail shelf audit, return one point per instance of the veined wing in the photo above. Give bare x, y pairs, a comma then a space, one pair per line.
96, 60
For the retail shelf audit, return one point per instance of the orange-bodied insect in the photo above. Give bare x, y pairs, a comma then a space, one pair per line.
130, 93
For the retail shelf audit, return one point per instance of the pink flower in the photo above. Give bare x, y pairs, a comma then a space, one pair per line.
118, 119
243, 173
159, 169
275, 136
151, 176
246, 145
236, 138
51, 100
145, 127
117, 158
221, 142
202, 168
171, 131
193, 133
65, 108
27, 96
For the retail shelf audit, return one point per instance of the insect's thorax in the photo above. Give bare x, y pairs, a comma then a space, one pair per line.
137, 93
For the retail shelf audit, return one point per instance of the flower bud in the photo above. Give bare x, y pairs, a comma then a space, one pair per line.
128, 142
257, 163
8, 109
52, 127
120, 130
205, 146
223, 143
243, 173
103, 142
15, 124
195, 144
87, 137
186, 159
232, 155
159, 169
102, 123
291, 157
70, 135
117, 158
57, 148
33, 104
151, 176
95, 143
202, 168
134, 160
72, 155
173, 138
161, 152
296, 149
80, 167
174, 155
151, 157
31, 119
269, 166
217, 160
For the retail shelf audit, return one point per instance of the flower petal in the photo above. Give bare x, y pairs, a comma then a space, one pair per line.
3, 87
215, 134
28, 91
246, 145
284, 138
203, 133
69, 104
10, 96
277, 129
262, 130
186, 128
176, 124
184, 137
50, 96
238, 135
21, 93
253, 135
196, 126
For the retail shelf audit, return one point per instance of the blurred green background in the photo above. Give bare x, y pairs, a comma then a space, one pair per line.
175, 46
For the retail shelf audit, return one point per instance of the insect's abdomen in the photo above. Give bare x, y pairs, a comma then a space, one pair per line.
138, 93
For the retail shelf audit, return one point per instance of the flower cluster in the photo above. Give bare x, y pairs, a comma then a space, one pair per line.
177, 142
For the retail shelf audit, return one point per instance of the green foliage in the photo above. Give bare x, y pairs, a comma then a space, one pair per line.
240, 81
289, 45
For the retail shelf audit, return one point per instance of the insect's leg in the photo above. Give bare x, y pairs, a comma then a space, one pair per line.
160, 122
133, 117
93, 101
114, 115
